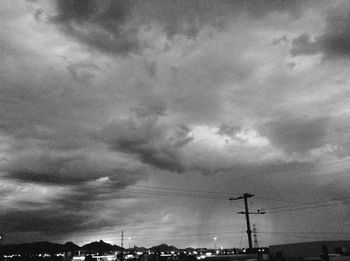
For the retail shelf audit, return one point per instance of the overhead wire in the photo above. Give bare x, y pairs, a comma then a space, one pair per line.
157, 191
310, 205
71, 182
294, 234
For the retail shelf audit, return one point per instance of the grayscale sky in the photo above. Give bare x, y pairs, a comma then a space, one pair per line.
146, 116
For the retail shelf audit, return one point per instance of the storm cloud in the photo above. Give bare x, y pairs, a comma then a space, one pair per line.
113, 26
154, 143
335, 39
296, 134
145, 116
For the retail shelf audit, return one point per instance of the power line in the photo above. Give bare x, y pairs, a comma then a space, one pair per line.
166, 191
64, 181
71, 182
308, 203
156, 191
296, 236
187, 235
280, 200
304, 232
329, 204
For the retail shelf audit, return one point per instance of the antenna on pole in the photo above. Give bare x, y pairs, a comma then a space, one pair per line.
245, 197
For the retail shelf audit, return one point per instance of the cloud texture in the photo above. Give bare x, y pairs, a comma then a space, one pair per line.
147, 115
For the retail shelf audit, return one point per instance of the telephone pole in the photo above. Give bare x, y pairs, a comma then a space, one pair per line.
245, 196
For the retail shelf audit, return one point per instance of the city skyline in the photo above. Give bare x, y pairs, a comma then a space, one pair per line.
146, 116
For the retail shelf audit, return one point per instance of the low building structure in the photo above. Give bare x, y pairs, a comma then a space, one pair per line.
311, 251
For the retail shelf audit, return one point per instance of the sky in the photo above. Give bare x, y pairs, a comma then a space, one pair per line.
147, 116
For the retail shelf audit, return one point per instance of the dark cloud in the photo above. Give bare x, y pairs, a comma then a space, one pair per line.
57, 219
153, 143
38, 14
189, 17
333, 42
54, 169
41, 220
72, 160
336, 38
48, 167
98, 24
112, 26
253, 170
296, 134
66, 213
283, 39
303, 45
42, 178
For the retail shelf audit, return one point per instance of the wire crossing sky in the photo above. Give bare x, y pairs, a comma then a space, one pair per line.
146, 116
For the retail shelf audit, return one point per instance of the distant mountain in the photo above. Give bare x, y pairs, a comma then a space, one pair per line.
139, 249
97, 246
100, 246
163, 248
70, 246
52, 248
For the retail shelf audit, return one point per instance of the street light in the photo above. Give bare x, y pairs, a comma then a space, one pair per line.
215, 238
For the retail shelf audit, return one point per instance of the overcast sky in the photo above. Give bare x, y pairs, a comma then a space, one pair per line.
106, 104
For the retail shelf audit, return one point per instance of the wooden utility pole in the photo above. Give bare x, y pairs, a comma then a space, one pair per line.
246, 213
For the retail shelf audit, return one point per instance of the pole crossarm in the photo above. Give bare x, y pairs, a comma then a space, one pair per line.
246, 195
259, 212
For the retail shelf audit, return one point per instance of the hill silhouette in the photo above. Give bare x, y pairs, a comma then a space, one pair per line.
70, 246
163, 248
100, 247
97, 246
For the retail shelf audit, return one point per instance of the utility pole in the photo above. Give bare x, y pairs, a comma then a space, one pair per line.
121, 250
246, 213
